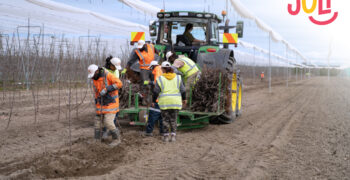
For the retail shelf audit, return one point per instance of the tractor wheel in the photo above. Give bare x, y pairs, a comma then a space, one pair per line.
234, 103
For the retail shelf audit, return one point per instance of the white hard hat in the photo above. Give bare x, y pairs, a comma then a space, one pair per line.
116, 62
168, 54
92, 69
166, 64
140, 44
153, 63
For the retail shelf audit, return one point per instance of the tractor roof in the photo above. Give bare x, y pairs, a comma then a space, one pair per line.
188, 14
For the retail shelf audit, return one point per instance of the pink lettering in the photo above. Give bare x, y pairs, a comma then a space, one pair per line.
320, 7
324, 22
297, 10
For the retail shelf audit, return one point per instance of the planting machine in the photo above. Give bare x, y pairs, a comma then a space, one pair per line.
167, 34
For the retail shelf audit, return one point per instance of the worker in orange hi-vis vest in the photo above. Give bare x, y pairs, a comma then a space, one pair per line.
106, 87
262, 76
145, 54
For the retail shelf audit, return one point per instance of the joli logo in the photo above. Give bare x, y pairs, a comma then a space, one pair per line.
321, 11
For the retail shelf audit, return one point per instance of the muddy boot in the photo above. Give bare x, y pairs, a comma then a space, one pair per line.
166, 138
97, 134
172, 138
105, 135
116, 138
146, 134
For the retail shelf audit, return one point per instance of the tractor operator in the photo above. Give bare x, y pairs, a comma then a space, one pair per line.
189, 36
106, 88
187, 67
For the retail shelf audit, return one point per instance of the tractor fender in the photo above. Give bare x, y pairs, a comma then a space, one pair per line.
220, 60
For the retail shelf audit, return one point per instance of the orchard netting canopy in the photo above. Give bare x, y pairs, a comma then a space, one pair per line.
60, 18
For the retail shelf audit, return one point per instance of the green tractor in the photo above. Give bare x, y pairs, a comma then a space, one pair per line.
167, 33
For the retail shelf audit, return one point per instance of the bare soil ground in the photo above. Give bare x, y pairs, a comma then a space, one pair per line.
299, 132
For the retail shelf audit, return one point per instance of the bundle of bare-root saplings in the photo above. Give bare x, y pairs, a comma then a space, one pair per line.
205, 94
130, 86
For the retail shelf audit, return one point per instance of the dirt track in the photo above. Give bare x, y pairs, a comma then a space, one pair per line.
300, 132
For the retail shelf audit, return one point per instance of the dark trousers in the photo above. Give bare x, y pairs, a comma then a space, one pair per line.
145, 75
154, 116
116, 119
169, 120
145, 89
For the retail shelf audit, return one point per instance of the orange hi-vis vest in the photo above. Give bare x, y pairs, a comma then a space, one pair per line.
102, 83
262, 75
157, 71
145, 58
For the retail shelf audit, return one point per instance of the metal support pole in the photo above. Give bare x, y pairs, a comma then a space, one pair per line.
296, 67
219, 93
301, 73
269, 62
227, 6
287, 66
254, 64
328, 69
309, 72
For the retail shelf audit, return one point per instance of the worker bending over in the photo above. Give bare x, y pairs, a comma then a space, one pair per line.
171, 95
145, 54
106, 88
154, 110
187, 67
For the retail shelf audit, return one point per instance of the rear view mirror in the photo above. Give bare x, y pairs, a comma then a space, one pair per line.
153, 28
239, 28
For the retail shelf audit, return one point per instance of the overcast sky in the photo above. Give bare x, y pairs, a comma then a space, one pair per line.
312, 40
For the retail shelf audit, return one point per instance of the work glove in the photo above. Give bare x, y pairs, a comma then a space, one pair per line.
124, 71
111, 88
145, 82
103, 92
107, 99
184, 103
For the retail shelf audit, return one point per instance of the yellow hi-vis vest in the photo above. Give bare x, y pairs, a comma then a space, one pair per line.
189, 67
170, 96
115, 73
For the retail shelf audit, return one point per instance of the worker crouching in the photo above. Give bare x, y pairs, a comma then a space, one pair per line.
106, 88
171, 96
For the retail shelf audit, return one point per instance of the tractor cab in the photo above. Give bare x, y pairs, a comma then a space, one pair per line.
171, 32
